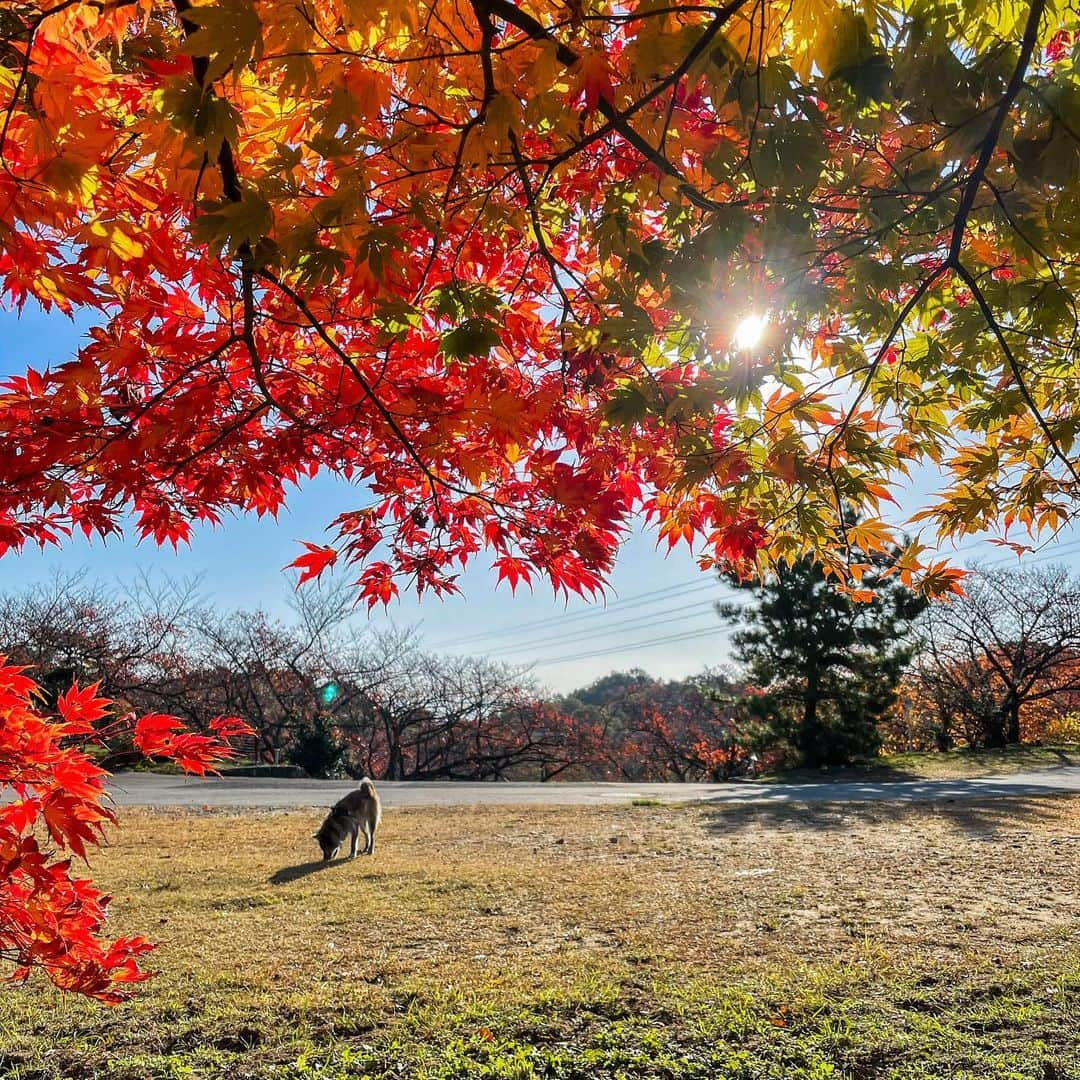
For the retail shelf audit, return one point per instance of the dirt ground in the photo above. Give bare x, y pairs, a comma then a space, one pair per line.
692, 883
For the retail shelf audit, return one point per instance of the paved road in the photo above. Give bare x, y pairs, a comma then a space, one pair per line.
149, 789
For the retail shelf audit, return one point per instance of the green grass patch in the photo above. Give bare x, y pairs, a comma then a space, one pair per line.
857, 1021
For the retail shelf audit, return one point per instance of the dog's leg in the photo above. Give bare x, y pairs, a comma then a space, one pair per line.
354, 836
371, 840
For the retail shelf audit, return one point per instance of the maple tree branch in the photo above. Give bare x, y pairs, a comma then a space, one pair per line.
990, 142
963, 212
33, 26
653, 13
434, 480
200, 65
720, 18
969, 280
923, 288
24, 74
1054, 111
669, 115
234, 192
616, 120
222, 436
487, 39
137, 413
1051, 264
554, 265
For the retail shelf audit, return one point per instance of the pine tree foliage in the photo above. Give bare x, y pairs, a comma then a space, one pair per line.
830, 663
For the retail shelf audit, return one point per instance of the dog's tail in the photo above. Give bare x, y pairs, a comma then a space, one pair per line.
371, 796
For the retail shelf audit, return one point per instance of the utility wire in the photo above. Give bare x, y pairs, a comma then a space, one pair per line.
692, 636
654, 619
655, 596
640, 622
595, 620
1045, 555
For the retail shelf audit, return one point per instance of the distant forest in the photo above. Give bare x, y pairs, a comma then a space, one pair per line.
822, 679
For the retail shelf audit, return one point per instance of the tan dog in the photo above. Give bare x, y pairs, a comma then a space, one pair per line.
358, 812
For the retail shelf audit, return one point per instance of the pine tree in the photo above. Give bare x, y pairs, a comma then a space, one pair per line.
830, 663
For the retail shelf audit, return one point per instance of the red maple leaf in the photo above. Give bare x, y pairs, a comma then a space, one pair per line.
314, 562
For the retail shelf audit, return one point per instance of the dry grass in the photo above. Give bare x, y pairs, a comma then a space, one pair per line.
279, 966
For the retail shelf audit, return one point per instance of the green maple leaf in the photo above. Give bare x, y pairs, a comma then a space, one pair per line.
626, 406
474, 301
320, 264
870, 79
473, 338
205, 117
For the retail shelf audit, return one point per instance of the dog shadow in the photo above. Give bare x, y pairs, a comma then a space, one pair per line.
289, 874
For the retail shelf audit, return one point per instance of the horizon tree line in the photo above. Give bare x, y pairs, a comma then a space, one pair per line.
826, 678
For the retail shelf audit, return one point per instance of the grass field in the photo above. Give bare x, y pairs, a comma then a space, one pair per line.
796, 943
947, 765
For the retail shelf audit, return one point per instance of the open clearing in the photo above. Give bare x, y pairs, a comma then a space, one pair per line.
787, 942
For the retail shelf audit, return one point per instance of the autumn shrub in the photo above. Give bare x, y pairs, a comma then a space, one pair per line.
1063, 729
52, 920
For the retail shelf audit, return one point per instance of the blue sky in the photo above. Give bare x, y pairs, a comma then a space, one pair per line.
658, 615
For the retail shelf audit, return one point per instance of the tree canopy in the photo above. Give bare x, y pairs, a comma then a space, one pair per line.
525, 270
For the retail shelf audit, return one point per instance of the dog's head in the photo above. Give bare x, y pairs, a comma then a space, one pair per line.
328, 838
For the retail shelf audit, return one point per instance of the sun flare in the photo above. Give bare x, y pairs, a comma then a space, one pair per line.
749, 332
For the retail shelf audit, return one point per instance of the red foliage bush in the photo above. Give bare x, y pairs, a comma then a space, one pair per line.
55, 806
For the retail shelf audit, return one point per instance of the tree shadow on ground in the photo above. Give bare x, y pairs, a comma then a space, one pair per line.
924, 766
1064, 757
977, 818
870, 773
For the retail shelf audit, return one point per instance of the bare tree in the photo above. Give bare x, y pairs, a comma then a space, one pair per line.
1013, 641
288, 678
409, 714
70, 628
319, 690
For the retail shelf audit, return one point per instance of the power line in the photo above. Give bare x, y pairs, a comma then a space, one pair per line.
1045, 555
655, 596
639, 622
646, 599
692, 636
